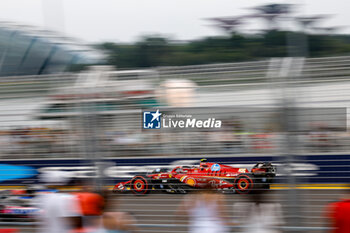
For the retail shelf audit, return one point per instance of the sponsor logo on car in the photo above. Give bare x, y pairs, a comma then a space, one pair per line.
215, 167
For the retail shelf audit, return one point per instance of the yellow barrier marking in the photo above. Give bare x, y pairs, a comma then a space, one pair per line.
311, 186
11, 187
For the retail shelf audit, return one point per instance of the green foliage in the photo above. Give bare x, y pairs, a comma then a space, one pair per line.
158, 51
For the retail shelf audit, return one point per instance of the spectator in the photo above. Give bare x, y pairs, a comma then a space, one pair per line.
91, 205
60, 211
339, 215
205, 212
258, 215
116, 222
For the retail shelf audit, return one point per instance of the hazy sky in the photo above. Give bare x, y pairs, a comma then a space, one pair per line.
127, 20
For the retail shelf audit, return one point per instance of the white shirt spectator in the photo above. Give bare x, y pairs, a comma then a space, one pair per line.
55, 209
261, 218
204, 212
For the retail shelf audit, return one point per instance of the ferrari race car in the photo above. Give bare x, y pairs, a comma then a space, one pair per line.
183, 179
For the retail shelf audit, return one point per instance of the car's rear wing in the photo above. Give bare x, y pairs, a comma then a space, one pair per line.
264, 168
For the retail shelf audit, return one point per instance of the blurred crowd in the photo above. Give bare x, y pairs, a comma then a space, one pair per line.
60, 204
30, 142
60, 207
49, 142
81, 210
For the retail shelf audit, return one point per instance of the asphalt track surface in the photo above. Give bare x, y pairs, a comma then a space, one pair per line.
156, 212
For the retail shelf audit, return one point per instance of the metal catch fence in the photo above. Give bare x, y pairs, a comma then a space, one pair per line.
289, 111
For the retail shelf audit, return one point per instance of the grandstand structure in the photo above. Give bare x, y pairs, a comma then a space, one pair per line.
28, 50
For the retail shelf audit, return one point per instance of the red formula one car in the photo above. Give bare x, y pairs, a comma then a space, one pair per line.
183, 179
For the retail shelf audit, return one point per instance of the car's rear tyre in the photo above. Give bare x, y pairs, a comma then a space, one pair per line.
244, 183
140, 185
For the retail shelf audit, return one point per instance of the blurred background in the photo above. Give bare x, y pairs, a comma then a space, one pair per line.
76, 75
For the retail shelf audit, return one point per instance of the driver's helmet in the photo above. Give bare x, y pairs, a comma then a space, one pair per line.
160, 170
203, 163
157, 170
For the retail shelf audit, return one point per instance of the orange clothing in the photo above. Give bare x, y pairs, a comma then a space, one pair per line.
91, 203
339, 213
